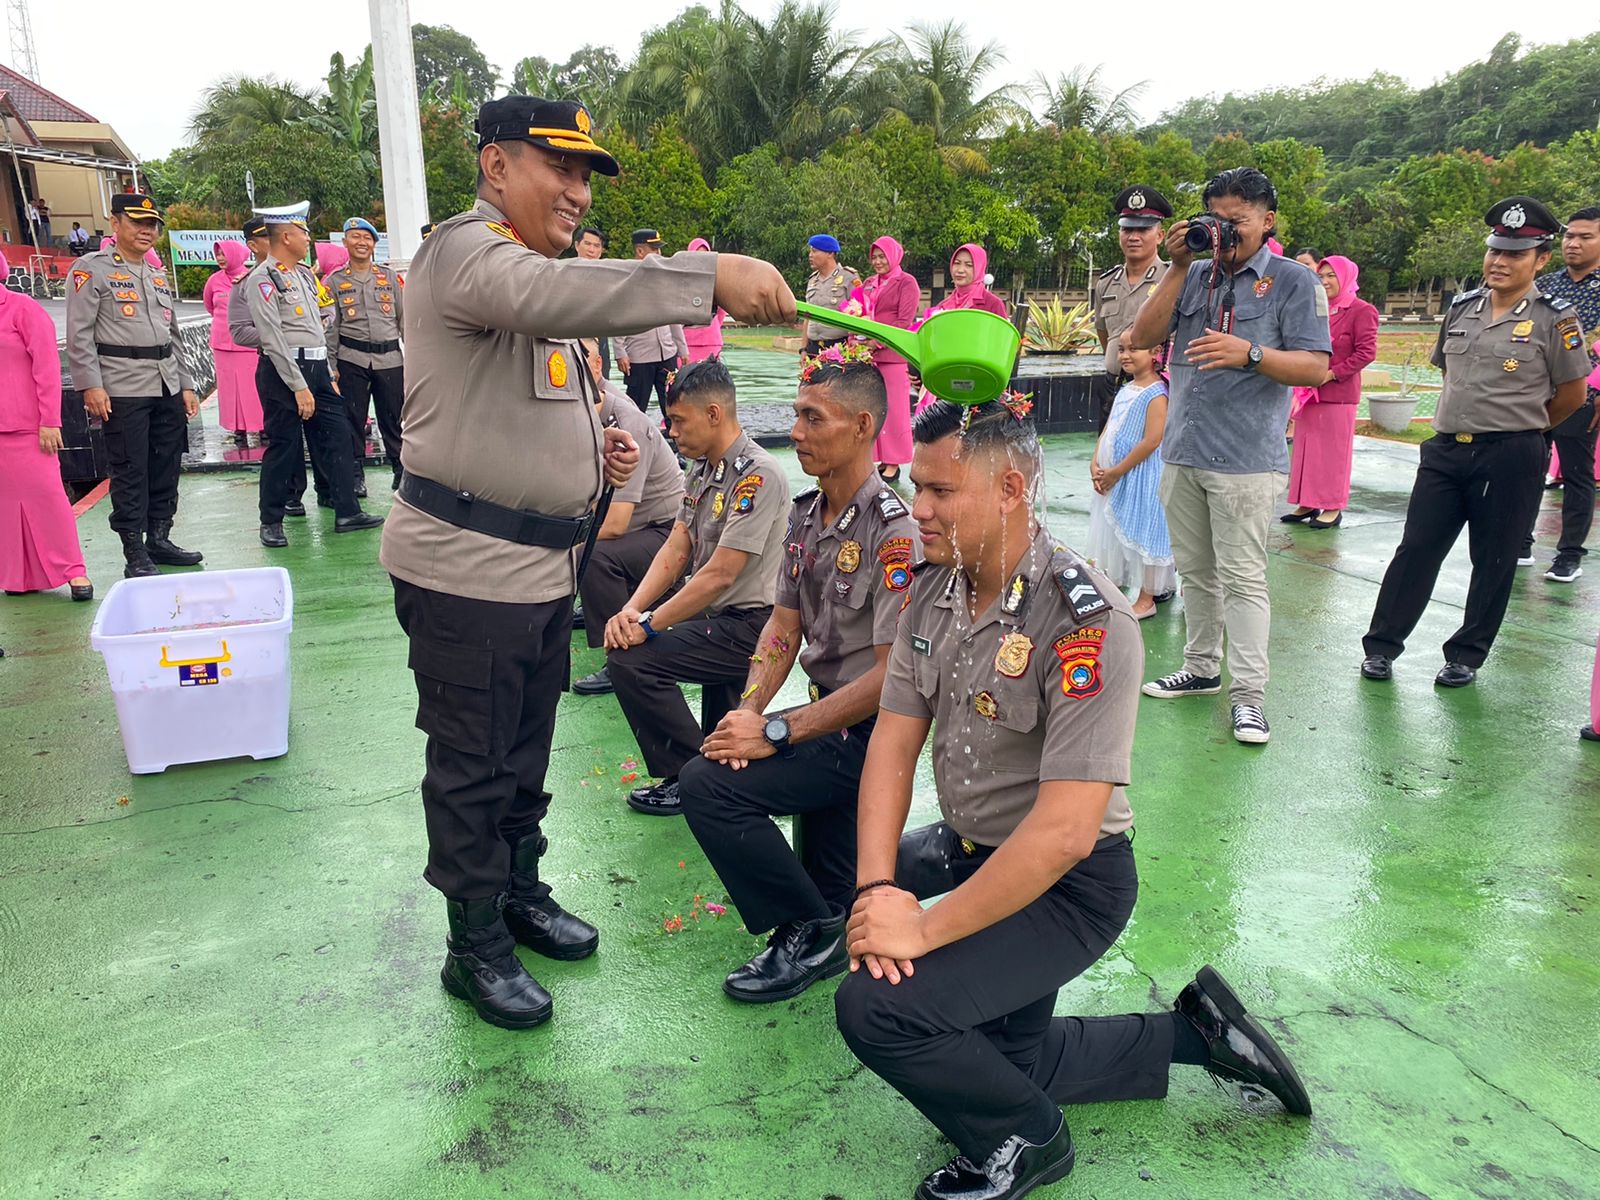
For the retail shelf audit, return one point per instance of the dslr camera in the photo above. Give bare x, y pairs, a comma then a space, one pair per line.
1210, 235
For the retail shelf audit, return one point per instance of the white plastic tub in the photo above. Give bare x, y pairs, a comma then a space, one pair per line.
199, 665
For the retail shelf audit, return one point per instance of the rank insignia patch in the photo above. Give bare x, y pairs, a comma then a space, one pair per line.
505, 231
1016, 651
1079, 653
849, 558
895, 555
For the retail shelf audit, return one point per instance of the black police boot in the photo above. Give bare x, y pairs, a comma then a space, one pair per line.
1454, 675
597, 684
294, 508
272, 536
159, 542
798, 954
482, 967
362, 520
1015, 1169
532, 914
137, 557
1241, 1050
1377, 666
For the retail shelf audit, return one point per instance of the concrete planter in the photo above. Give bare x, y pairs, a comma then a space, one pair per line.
1392, 412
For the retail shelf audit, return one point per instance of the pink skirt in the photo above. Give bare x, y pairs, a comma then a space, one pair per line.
238, 406
703, 349
38, 534
893, 447
1324, 440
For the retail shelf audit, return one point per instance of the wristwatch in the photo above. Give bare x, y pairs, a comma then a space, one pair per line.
644, 624
1253, 359
777, 732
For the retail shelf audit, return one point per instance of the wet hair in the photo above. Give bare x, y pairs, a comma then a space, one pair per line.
856, 387
1592, 213
1246, 183
605, 242
702, 383
989, 426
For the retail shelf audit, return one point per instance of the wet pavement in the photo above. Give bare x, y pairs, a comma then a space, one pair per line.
222, 980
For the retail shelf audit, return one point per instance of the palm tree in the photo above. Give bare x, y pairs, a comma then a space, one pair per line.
349, 112
1077, 99
240, 105
936, 77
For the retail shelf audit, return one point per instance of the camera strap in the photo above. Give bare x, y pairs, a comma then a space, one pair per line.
1225, 314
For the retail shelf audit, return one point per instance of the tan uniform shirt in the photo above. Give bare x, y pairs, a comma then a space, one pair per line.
830, 290
367, 306
656, 488
848, 580
286, 304
1044, 685
116, 301
1117, 300
664, 343
1499, 375
499, 401
740, 501
240, 327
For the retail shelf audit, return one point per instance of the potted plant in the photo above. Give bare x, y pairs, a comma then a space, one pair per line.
1053, 329
1392, 411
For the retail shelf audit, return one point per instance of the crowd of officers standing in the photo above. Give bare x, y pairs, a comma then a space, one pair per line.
958, 615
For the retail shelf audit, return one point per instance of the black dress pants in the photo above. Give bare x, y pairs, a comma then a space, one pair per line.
615, 569
1491, 485
1574, 441
971, 1039
385, 390
711, 651
730, 813
327, 433
644, 377
145, 440
488, 678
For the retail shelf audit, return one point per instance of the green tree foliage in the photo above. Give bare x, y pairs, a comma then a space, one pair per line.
936, 78
661, 188
445, 57
291, 163
239, 107
449, 159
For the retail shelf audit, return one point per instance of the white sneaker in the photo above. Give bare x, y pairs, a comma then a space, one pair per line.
1250, 725
1526, 560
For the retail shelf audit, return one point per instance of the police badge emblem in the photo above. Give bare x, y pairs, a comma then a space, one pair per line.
1013, 656
849, 558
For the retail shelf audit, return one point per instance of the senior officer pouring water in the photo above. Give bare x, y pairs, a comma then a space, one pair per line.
505, 460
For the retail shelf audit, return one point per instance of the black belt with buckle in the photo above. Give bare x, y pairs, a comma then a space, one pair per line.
150, 352
1472, 438
368, 347
463, 509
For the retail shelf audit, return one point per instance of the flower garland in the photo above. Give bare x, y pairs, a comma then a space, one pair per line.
841, 354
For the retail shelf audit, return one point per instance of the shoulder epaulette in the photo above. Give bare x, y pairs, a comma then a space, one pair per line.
1083, 598
742, 464
1465, 296
1556, 302
891, 506
807, 494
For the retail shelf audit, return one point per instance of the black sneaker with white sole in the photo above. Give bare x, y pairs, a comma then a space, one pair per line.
1564, 569
1250, 725
1183, 683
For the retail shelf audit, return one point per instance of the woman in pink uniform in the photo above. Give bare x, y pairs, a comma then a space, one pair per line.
238, 405
968, 267
703, 340
1325, 416
892, 298
38, 534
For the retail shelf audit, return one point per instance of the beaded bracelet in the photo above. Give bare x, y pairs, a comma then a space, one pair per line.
876, 883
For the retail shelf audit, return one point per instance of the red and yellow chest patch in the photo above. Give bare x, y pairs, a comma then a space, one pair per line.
1079, 652
895, 556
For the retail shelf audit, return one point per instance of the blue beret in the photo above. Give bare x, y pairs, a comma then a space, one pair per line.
361, 223
825, 242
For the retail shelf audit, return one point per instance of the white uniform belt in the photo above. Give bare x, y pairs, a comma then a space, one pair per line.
311, 353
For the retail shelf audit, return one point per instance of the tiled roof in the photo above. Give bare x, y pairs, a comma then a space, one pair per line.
34, 103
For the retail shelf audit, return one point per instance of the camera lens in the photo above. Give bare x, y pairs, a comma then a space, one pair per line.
1198, 236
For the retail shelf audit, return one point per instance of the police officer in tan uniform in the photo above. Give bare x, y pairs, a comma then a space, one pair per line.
637, 522
1514, 365
122, 326
845, 573
829, 285
1117, 294
364, 344
295, 384
728, 539
505, 460
646, 358
1025, 662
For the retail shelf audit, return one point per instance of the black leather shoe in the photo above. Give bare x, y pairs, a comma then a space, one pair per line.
532, 914
272, 536
659, 799
83, 592
1298, 518
798, 954
1454, 674
357, 523
1589, 734
162, 549
1163, 597
598, 684
577, 617
361, 489
1241, 1050
294, 509
482, 968
1315, 523
1377, 666
137, 557
1012, 1171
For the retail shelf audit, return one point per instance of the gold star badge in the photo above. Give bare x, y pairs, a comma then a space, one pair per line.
1510, 365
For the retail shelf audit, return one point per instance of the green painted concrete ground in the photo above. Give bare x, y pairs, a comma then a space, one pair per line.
227, 987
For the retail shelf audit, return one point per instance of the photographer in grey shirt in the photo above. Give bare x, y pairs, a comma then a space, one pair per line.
1246, 326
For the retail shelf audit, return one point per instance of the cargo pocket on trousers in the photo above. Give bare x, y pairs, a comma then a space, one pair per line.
454, 699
